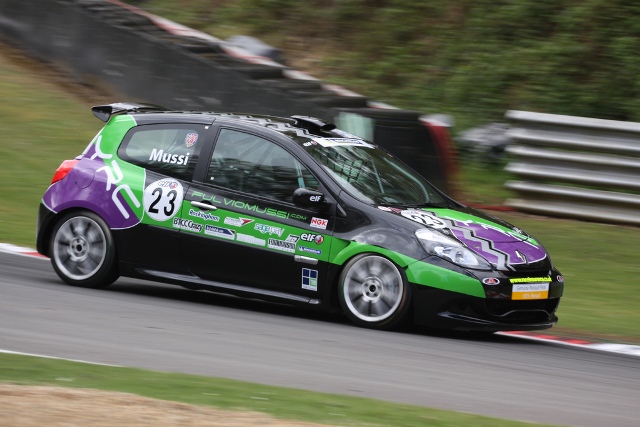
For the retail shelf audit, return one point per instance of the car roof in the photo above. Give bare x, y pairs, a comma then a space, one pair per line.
295, 126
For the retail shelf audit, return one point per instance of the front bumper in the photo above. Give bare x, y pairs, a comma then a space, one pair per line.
482, 301
440, 308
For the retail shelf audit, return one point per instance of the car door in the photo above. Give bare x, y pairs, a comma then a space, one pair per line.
253, 234
168, 154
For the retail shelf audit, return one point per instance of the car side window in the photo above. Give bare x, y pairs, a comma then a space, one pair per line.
251, 164
167, 149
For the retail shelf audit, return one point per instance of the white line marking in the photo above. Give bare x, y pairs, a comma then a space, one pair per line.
633, 350
58, 358
19, 250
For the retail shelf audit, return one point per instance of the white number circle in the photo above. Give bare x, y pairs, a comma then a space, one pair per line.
424, 218
163, 199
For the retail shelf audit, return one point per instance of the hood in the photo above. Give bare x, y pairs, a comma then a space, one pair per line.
503, 245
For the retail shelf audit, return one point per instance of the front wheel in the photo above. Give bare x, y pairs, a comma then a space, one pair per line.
374, 293
82, 250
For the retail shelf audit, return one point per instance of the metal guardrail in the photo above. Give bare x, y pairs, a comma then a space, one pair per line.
575, 167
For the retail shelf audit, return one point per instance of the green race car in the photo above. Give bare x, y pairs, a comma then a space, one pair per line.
291, 210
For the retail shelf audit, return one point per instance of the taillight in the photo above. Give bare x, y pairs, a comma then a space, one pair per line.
64, 169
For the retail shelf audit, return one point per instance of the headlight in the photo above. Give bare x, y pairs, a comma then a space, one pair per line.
438, 244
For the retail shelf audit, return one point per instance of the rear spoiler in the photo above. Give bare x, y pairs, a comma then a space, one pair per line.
104, 112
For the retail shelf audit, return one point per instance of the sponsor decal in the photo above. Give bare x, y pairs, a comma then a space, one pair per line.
335, 142
162, 199
309, 237
530, 291
223, 201
309, 143
187, 224
560, 279
270, 229
249, 239
491, 281
204, 215
282, 245
191, 139
424, 218
297, 216
114, 177
504, 247
238, 222
309, 279
345, 134
292, 238
319, 223
530, 279
224, 233
309, 250
173, 159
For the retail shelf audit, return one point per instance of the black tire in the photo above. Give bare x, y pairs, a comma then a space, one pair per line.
374, 292
82, 250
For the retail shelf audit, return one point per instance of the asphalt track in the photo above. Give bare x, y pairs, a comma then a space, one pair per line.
159, 327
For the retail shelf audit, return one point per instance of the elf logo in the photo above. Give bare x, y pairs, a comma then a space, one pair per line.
309, 237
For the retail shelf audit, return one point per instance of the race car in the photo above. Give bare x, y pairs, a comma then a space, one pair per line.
289, 210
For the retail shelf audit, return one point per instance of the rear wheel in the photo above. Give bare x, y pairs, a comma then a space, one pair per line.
373, 292
82, 250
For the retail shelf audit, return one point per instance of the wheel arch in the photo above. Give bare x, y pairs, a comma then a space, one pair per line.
86, 254
353, 249
51, 218
399, 314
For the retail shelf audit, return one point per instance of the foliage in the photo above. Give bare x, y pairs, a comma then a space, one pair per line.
472, 59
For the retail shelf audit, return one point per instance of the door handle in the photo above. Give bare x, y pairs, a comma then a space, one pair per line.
305, 259
205, 206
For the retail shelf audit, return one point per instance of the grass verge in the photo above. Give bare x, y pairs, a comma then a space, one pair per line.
283, 403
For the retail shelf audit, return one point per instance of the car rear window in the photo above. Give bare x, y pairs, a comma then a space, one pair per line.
166, 149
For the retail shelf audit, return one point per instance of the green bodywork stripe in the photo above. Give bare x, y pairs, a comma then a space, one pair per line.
341, 251
431, 275
418, 272
115, 130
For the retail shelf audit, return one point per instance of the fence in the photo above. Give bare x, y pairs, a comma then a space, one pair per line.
575, 167
151, 59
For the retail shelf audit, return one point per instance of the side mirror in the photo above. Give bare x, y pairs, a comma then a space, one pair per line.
308, 198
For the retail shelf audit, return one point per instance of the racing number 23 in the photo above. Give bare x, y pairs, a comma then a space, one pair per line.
169, 205
163, 198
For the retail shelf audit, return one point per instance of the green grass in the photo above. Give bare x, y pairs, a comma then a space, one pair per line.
42, 125
284, 403
601, 264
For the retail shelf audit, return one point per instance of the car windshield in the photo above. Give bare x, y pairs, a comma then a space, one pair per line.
376, 177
